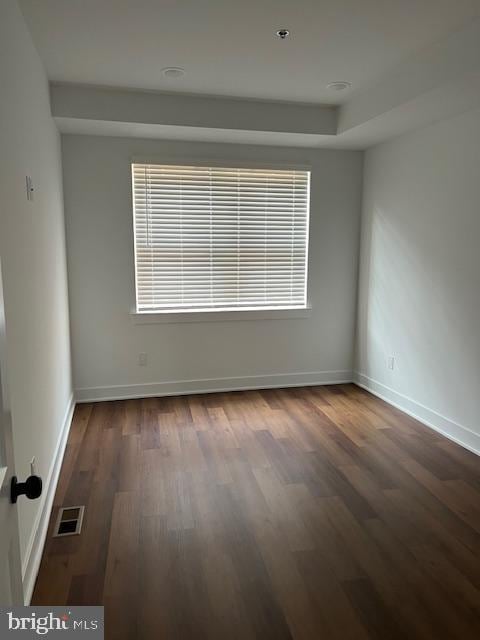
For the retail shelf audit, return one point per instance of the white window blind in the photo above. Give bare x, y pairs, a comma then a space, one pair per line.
217, 238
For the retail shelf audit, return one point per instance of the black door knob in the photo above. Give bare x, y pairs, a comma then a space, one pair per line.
32, 488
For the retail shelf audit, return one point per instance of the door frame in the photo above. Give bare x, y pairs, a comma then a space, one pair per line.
11, 587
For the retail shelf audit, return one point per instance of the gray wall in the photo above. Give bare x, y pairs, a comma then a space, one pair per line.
420, 275
32, 250
106, 342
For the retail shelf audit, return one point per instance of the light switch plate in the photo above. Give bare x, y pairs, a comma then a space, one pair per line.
29, 188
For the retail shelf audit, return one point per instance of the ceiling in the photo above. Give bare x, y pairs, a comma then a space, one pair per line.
230, 49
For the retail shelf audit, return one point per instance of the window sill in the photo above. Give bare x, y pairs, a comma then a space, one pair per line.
169, 317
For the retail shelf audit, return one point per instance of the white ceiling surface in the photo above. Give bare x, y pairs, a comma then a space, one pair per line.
228, 47
410, 62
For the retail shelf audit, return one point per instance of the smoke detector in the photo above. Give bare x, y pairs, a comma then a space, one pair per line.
339, 85
173, 72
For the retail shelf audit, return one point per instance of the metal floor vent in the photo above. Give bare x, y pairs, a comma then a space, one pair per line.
69, 521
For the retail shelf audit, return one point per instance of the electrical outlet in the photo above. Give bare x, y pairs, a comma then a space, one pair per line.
142, 359
391, 363
32, 466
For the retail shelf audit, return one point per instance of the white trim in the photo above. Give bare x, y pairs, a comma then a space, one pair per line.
219, 315
212, 385
33, 555
307, 237
224, 163
460, 434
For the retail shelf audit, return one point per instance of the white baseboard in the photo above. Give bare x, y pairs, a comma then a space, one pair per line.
33, 554
212, 385
460, 434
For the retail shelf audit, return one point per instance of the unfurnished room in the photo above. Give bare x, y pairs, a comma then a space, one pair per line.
240, 319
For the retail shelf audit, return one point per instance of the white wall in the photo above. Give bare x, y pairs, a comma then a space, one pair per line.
32, 250
106, 342
420, 275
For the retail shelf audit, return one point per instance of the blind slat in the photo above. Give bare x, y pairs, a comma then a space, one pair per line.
220, 237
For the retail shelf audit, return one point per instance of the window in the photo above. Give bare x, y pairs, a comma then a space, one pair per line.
219, 239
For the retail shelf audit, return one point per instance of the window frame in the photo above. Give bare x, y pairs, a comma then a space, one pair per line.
153, 316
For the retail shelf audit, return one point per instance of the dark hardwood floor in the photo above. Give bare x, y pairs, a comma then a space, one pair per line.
308, 514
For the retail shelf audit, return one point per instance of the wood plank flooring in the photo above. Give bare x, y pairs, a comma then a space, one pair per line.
299, 514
